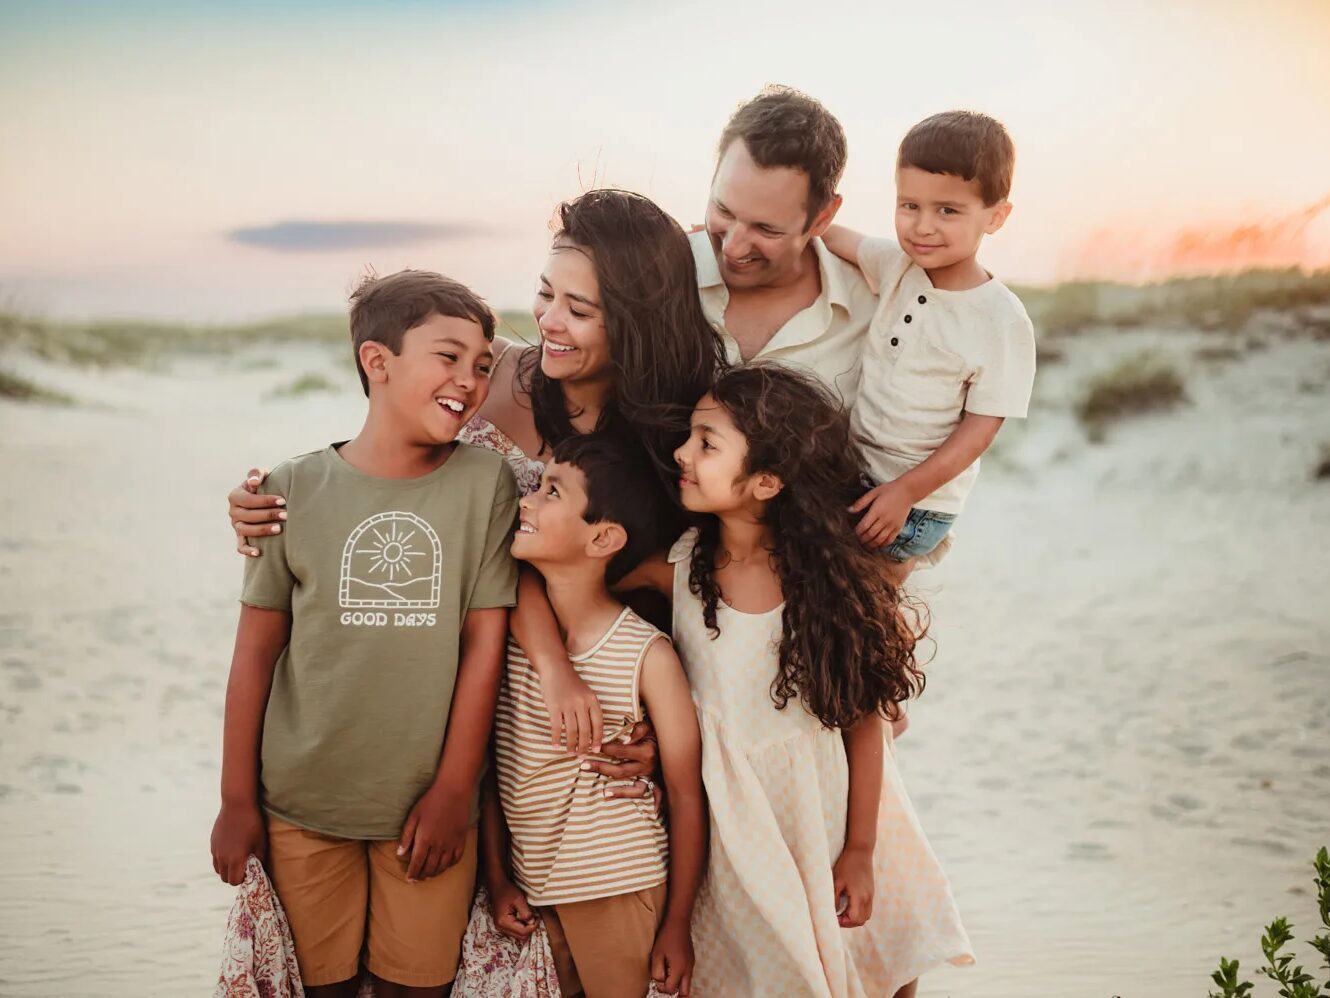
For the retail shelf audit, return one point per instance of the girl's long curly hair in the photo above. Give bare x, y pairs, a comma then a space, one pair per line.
663, 351
848, 637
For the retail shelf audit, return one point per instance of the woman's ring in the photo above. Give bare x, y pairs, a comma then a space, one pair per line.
650, 784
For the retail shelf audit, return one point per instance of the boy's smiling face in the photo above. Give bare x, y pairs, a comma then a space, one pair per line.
438, 381
552, 527
941, 218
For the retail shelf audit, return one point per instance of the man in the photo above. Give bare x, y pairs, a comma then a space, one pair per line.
765, 278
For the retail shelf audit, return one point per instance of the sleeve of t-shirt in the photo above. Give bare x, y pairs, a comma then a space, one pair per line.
496, 582
1002, 383
881, 260
269, 582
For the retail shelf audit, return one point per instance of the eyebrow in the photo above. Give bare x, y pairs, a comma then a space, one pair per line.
575, 297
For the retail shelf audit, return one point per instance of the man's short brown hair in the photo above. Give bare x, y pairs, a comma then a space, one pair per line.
384, 308
783, 127
965, 144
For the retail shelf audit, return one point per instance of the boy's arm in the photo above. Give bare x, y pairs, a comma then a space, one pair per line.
664, 689
511, 910
435, 830
844, 243
572, 706
890, 503
240, 829
853, 872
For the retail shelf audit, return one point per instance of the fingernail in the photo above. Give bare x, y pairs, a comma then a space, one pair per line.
608, 795
595, 748
281, 501
281, 515
625, 739
251, 481
276, 528
401, 851
585, 765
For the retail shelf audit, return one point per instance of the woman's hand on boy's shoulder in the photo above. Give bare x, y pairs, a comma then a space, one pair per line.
238, 833
672, 958
254, 515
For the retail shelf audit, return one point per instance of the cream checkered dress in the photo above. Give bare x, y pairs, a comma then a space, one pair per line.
778, 784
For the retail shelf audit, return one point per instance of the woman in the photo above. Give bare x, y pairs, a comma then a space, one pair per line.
624, 347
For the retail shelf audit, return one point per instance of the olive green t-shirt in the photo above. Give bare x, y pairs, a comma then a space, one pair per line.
377, 575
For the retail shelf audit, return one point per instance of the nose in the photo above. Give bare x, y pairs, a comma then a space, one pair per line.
551, 320
735, 242
465, 378
524, 504
924, 223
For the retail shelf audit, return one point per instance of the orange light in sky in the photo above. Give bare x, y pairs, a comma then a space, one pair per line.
1300, 239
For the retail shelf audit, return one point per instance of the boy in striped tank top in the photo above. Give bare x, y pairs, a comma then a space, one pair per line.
615, 889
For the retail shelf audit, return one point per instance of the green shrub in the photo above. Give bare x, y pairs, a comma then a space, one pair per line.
22, 390
1293, 980
306, 384
1138, 384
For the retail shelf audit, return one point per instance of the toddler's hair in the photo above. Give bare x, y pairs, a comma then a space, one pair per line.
965, 144
848, 641
384, 308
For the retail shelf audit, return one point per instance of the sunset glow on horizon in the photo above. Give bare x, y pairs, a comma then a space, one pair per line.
208, 161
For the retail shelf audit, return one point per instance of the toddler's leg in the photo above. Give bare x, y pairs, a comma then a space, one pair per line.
322, 883
414, 938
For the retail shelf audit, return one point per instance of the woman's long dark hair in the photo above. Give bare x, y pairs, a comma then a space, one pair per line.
848, 638
663, 351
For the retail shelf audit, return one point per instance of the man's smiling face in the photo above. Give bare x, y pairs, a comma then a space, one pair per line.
757, 219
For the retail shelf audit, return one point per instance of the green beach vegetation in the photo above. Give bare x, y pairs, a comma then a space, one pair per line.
1139, 384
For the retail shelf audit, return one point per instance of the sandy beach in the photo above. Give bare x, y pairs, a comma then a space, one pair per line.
1122, 757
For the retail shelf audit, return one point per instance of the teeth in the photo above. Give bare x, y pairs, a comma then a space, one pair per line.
525, 528
452, 404
558, 348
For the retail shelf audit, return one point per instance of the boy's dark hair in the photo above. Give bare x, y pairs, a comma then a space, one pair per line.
384, 308
965, 144
622, 488
783, 127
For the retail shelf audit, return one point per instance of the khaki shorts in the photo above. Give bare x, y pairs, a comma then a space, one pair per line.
602, 948
346, 896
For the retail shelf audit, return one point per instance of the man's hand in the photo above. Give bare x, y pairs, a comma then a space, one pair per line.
672, 959
574, 711
888, 507
253, 515
634, 757
434, 835
512, 912
852, 879
238, 831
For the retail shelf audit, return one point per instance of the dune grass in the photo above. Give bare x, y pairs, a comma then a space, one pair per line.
1321, 473
1139, 384
1217, 303
20, 389
125, 342
307, 384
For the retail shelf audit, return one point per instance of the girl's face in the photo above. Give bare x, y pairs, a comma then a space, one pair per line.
712, 477
574, 344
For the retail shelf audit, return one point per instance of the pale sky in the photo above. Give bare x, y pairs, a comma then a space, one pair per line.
138, 139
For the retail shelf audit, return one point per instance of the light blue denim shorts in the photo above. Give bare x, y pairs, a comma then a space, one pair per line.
922, 532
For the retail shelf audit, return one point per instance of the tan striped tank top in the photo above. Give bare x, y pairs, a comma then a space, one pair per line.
568, 842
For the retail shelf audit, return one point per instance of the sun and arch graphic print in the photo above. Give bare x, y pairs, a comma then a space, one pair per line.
391, 561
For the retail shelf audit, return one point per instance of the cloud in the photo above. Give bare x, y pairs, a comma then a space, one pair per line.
296, 236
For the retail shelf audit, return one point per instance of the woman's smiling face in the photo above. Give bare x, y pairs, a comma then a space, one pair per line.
574, 343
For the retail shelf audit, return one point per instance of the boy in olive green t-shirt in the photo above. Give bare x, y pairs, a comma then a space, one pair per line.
369, 654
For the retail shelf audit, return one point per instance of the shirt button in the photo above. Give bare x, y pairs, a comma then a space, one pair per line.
922, 299
909, 318
895, 341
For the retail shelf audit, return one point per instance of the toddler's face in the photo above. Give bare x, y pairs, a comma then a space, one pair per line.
941, 218
711, 461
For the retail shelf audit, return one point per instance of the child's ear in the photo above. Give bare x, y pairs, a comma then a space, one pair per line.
766, 486
373, 360
607, 540
999, 211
